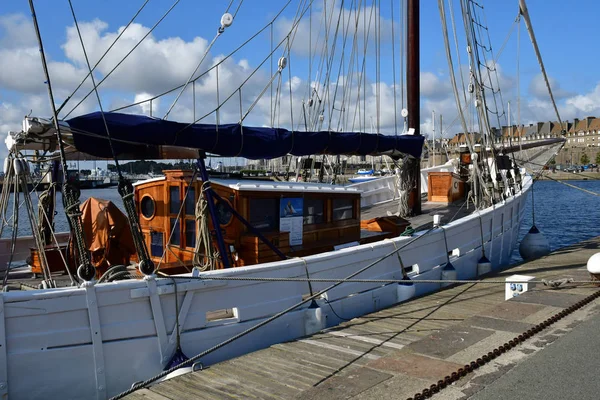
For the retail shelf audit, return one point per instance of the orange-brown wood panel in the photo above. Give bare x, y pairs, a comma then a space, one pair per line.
249, 249
53, 256
392, 224
444, 187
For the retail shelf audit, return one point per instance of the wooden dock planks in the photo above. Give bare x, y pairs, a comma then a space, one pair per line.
320, 365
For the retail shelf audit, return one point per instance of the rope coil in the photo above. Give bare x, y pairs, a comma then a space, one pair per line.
204, 258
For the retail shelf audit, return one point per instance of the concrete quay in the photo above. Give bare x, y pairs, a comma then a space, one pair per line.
402, 350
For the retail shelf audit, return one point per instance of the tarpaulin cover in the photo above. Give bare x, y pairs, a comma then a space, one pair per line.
107, 234
141, 136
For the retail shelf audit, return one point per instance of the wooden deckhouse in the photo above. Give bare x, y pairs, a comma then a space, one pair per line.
299, 219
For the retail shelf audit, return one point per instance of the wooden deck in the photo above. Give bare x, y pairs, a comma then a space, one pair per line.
449, 212
399, 351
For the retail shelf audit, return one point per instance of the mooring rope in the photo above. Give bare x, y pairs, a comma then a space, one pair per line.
546, 282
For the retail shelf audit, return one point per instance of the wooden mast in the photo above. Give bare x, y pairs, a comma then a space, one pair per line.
412, 90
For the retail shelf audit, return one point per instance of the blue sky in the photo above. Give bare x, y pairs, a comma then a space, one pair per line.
566, 34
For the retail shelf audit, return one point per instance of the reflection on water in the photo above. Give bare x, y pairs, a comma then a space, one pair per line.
563, 214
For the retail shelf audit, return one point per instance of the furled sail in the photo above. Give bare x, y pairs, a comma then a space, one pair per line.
141, 135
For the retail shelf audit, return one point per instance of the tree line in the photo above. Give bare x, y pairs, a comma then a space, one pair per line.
146, 167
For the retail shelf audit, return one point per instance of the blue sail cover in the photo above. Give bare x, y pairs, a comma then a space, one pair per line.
140, 137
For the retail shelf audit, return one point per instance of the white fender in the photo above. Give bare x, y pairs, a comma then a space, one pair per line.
484, 266
449, 274
405, 291
534, 245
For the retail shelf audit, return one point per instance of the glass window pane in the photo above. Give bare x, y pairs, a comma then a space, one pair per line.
190, 233
175, 233
190, 201
264, 214
342, 209
147, 207
174, 200
157, 245
313, 211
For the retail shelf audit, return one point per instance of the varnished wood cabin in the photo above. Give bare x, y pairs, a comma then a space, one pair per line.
300, 219
445, 187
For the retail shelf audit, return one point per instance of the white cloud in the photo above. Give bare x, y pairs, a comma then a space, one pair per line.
352, 22
432, 87
159, 64
588, 103
538, 88
18, 32
154, 66
146, 107
20, 65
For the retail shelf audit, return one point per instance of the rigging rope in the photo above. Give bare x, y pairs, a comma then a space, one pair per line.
122, 60
4, 197
226, 21
46, 203
125, 188
42, 213
122, 31
21, 171
571, 186
70, 194
551, 283
204, 259
15, 223
215, 66
405, 181
456, 91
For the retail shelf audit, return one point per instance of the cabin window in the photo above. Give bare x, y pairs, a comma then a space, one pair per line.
190, 201
313, 211
264, 214
147, 206
174, 200
342, 209
157, 246
224, 214
175, 232
190, 233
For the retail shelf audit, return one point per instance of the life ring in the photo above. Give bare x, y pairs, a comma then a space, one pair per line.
455, 185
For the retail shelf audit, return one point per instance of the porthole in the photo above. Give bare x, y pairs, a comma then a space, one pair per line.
224, 214
147, 207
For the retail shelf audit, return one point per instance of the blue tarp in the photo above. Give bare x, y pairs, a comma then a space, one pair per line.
139, 136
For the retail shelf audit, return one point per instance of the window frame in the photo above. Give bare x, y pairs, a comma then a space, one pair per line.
353, 205
147, 195
324, 203
276, 201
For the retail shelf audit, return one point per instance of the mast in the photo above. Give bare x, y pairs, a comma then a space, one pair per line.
433, 139
525, 13
441, 130
413, 88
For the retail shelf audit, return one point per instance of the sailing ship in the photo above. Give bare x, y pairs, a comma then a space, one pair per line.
269, 261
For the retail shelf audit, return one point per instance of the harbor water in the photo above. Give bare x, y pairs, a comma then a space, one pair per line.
564, 215
60, 221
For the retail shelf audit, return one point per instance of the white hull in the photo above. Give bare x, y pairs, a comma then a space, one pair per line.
94, 342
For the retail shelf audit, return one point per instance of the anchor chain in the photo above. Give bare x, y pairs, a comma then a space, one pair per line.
488, 357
